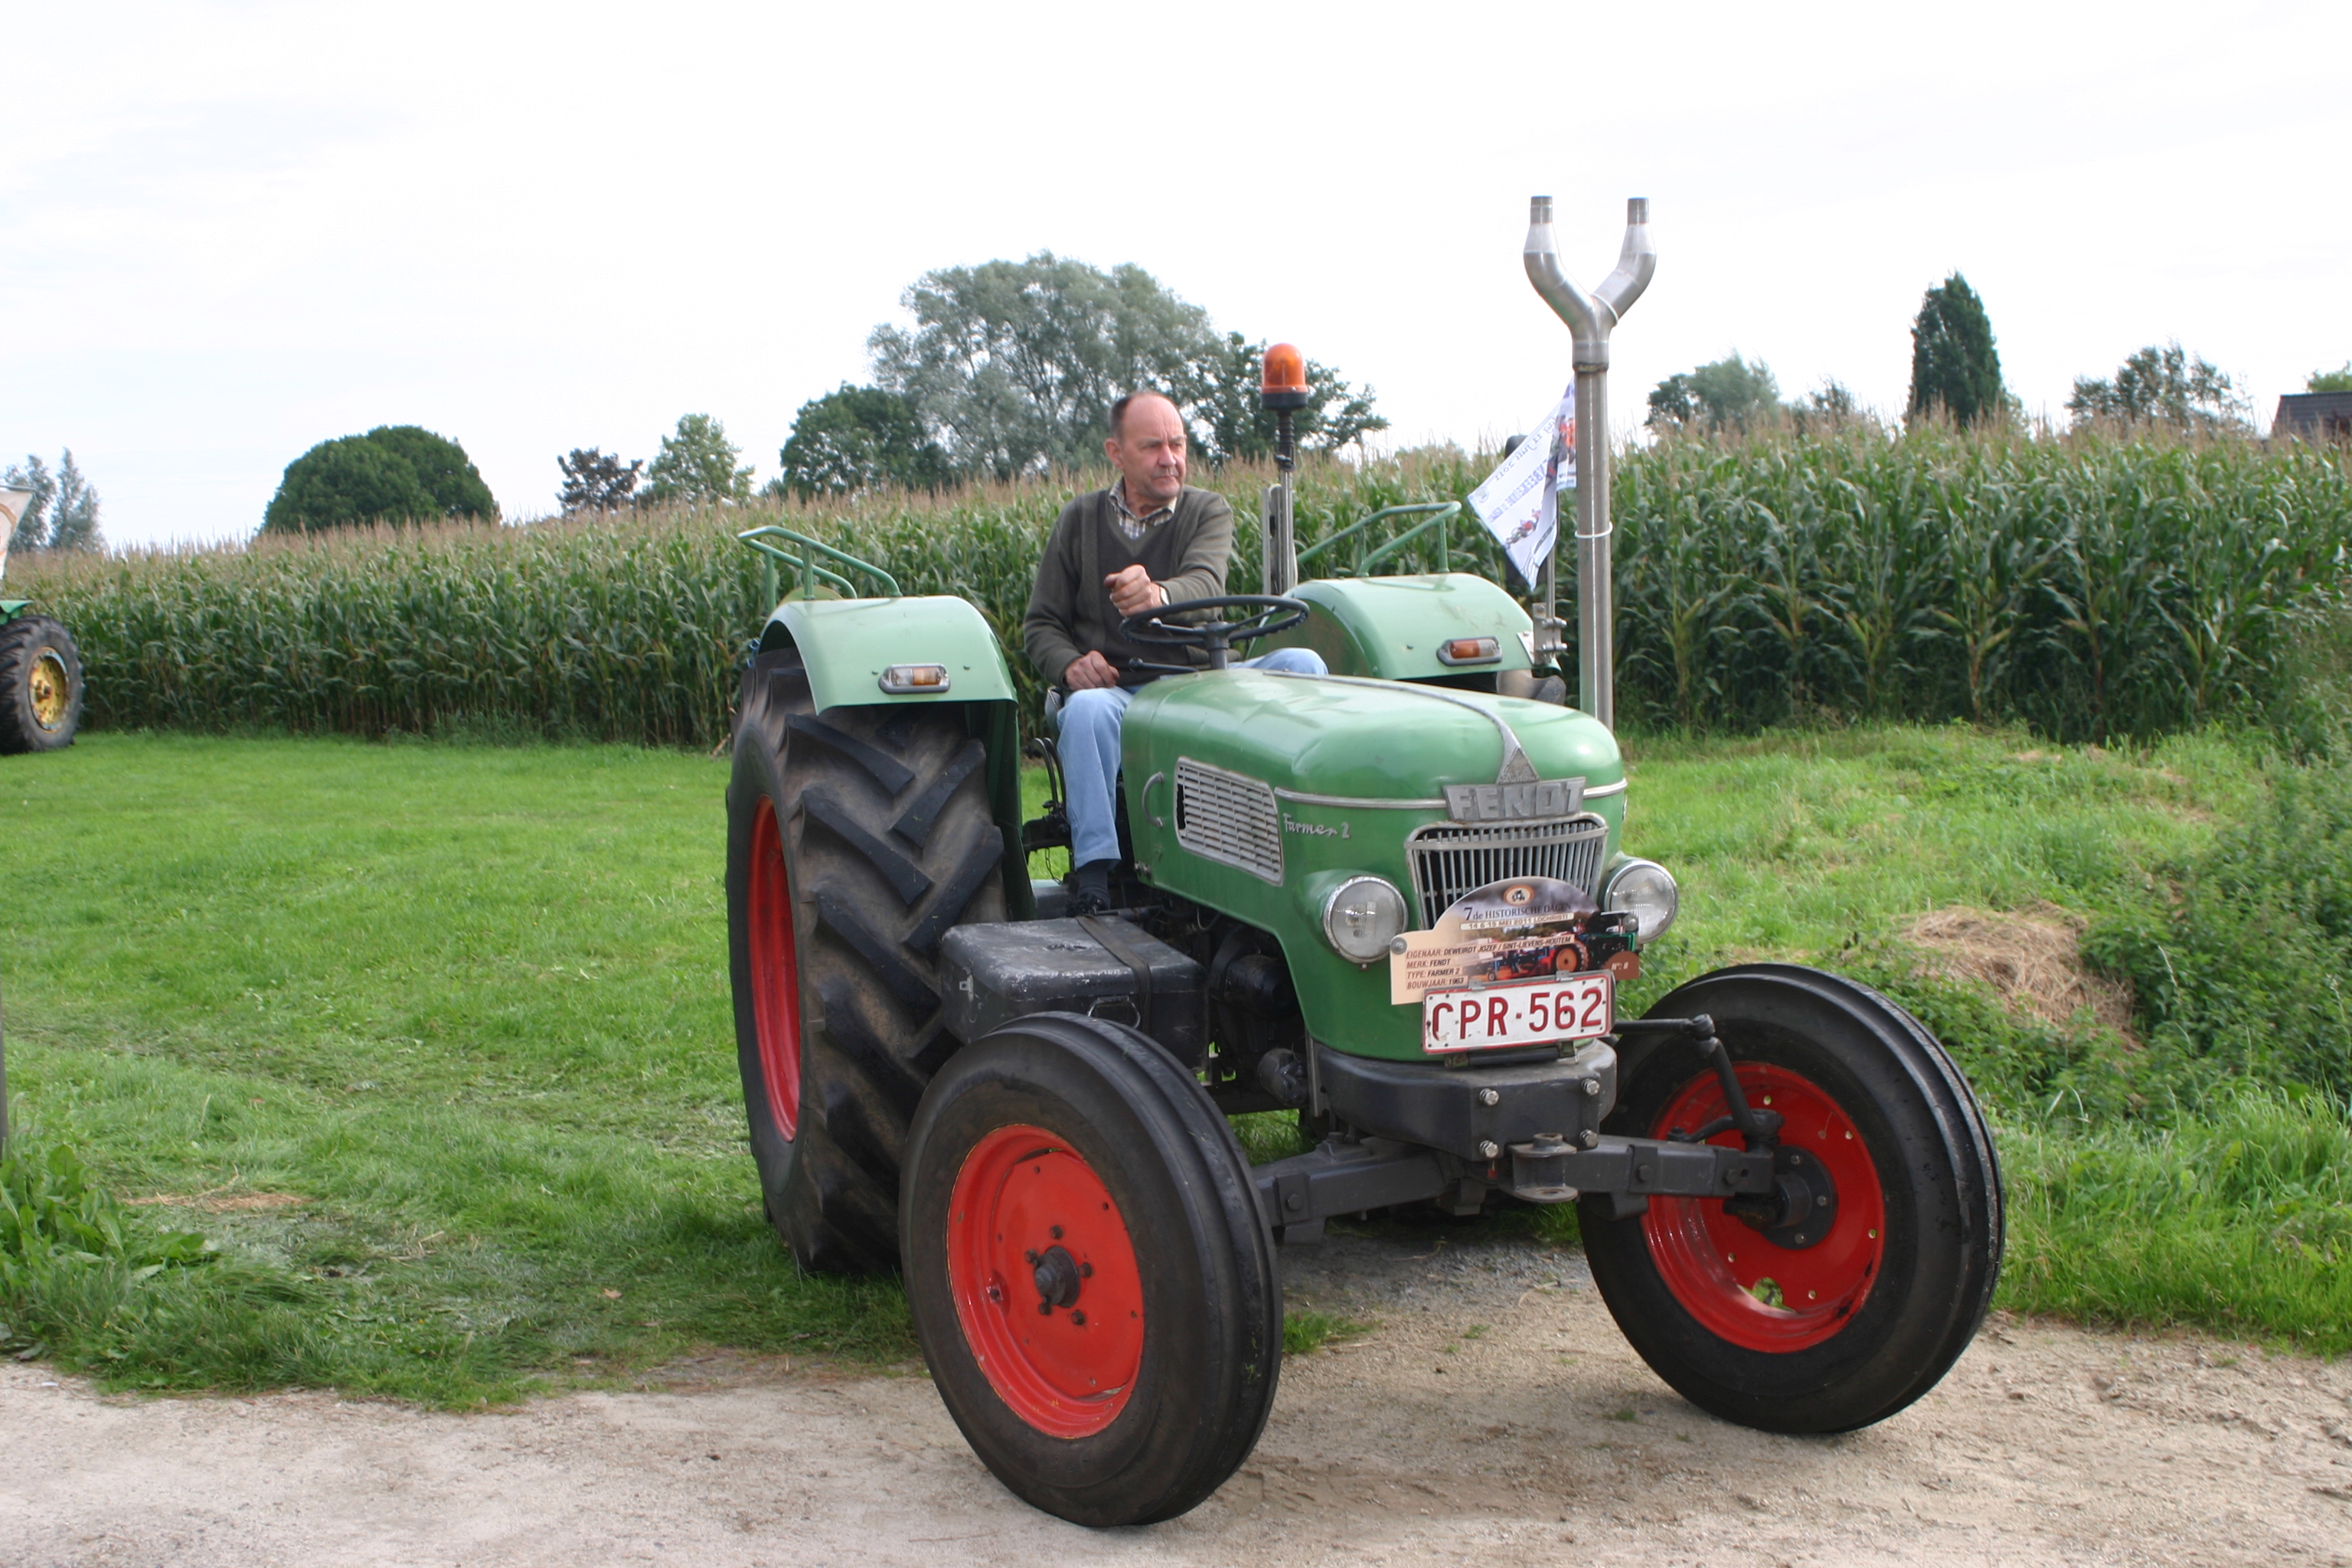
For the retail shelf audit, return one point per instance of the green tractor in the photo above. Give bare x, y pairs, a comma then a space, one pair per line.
1392, 899
40, 668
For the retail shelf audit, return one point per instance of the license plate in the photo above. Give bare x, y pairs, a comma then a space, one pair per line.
1493, 1017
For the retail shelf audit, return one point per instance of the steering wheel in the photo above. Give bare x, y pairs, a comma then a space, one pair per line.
1268, 614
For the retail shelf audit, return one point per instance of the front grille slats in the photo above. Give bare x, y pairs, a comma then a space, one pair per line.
1228, 817
1450, 859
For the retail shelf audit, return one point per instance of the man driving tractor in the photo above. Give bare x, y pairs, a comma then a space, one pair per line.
1148, 540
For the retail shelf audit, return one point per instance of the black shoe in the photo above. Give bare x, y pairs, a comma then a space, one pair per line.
1086, 903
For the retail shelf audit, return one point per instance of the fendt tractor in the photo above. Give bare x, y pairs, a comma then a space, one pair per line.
1391, 899
40, 669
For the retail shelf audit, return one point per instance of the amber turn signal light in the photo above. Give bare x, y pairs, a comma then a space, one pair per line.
1469, 650
1285, 377
915, 679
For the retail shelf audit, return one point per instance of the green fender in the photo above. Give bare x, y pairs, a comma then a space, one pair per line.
11, 608
846, 644
1391, 628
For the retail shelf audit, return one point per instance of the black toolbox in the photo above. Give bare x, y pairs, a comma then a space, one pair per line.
1100, 965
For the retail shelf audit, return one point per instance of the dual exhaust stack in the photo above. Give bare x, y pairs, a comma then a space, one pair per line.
1590, 319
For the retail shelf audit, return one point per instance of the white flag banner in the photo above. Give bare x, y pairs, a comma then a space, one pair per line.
1519, 503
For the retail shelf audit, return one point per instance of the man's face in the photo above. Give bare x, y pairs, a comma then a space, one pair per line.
1148, 452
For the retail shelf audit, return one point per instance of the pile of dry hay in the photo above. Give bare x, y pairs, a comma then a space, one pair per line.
2032, 959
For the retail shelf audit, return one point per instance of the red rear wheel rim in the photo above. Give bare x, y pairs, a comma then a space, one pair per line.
1067, 1370
775, 976
1724, 1272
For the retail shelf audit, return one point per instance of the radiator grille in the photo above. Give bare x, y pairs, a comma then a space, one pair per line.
1229, 818
1450, 859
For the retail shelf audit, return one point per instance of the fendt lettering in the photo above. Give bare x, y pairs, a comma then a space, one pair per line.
1515, 802
1089, 1258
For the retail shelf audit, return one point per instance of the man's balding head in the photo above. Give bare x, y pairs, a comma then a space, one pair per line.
1146, 446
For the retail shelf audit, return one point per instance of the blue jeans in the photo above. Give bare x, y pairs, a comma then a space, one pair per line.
1089, 747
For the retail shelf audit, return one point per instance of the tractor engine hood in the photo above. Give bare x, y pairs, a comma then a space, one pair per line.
1357, 740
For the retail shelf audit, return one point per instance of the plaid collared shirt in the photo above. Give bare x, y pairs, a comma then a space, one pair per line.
1135, 527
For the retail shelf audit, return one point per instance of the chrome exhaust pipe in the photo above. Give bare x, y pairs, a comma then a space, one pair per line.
1590, 320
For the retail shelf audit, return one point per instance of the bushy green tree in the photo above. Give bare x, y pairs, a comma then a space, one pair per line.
1219, 395
855, 440
697, 465
395, 473
63, 512
1729, 394
2330, 380
1954, 365
2167, 387
596, 479
1013, 364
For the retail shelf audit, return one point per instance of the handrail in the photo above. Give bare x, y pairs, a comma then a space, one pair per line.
806, 563
1443, 511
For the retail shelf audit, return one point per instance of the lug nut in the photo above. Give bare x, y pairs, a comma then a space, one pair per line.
1077, 1319
1488, 1097
1591, 1086
1589, 1138
1488, 1148
1055, 1231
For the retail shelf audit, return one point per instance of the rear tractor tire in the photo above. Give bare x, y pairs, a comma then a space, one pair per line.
1094, 1288
40, 686
855, 842
1843, 1318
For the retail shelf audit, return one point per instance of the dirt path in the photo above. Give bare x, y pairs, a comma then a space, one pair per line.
1539, 1437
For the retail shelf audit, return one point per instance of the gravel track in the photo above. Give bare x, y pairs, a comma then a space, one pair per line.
1539, 1437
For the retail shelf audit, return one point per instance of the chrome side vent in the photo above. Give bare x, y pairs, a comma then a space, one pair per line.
1228, 817
1451, 859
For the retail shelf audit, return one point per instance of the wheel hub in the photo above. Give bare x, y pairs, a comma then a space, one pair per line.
49, 690
1801, 1209
1028, 1205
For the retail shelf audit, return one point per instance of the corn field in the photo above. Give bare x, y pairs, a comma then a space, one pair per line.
2095, 586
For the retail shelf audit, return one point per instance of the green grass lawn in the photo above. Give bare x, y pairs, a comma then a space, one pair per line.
469, 1003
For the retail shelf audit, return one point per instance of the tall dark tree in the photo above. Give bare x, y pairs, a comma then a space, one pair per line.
859, 438
395, 473
2165, 387
596, 479
1954, 365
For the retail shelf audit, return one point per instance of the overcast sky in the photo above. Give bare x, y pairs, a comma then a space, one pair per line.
234, 230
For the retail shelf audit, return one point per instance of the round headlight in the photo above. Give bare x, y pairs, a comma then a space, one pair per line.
1362, 917
1643, 889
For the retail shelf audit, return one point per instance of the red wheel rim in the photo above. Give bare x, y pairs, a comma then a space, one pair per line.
1724, 1272
775, 976
1020, 1194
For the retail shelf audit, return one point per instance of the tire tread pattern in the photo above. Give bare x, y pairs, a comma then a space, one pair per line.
868, 917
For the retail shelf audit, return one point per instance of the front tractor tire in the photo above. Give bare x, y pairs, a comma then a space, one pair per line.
40, 686
1836, 1320
1094, 1288
854, 841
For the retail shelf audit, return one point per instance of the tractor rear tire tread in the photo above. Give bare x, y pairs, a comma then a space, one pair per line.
866, 920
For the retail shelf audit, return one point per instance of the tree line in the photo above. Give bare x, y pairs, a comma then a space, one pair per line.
1956, 376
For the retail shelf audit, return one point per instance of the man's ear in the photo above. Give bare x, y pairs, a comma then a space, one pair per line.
1110, 449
